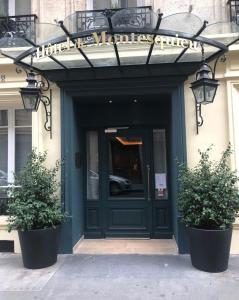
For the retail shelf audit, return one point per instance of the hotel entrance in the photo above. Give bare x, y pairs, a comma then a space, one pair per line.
127, 178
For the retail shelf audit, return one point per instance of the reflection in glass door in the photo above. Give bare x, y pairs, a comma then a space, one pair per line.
126, 167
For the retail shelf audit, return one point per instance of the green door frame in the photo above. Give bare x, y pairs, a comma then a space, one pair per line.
72, 197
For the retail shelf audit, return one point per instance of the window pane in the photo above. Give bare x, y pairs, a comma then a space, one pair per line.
92, 165
23, 118
3, 8
160, 164
3, 118
130, 3
102, 4
3, 155
126, 178
116, 4
23, 146
23, 7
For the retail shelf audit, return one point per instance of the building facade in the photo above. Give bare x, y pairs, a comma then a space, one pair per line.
120, 127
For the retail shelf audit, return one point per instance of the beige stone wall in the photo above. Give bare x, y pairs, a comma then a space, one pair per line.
215, 127
9, 89
12, 236
210, 10
41, 138
49, 11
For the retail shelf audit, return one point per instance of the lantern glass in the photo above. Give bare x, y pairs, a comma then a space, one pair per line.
204, 93
198, 92
30, 100
210, 92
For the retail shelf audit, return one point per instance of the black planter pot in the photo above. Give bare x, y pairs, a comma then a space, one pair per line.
210, 249
39, 247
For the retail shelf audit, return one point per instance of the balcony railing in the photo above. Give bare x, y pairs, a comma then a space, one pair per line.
234, 10
18, 26
138, 17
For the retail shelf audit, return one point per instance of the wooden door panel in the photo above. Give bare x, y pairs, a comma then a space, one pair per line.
131, 219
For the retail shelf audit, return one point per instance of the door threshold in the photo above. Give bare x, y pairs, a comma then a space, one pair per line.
111, 246
127, 238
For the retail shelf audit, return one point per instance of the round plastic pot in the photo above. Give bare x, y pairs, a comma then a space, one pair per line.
39, 247
210, 249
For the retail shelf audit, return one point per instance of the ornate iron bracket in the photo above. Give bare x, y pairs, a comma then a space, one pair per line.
43, 85
199, 118
47, 102
198, 108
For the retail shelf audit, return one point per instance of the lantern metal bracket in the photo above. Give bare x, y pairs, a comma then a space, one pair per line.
47, 102
44, 86
222, 58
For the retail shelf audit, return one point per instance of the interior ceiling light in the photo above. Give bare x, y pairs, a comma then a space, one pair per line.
126, 142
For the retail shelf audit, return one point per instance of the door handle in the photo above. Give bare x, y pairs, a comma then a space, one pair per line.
148, 182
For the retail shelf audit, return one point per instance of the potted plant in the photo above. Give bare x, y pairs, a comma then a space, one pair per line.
209, 203
35, 211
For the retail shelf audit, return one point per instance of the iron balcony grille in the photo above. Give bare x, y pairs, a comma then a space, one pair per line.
23, 26
234, 10
140, 17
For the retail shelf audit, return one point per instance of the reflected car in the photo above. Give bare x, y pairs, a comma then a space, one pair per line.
118, 184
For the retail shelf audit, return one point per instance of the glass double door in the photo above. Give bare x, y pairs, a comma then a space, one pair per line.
127, 181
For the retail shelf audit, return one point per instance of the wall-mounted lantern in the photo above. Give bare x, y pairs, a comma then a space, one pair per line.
32, 95
204, 88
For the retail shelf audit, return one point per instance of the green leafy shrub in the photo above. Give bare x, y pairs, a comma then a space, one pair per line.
35, 203
208, 196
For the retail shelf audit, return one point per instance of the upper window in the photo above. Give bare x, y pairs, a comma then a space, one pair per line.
15, 142
3, 8
15, 7
116, 3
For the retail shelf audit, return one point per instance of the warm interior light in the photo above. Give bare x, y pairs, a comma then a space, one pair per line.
125, 142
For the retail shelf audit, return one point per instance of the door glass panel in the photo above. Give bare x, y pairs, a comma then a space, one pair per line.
160, 164
126, 178
92, 166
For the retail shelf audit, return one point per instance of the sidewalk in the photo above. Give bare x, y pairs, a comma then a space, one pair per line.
116, 277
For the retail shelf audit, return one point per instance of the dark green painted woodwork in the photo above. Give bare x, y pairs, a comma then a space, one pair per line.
91, 90
124, 216
178, 154
72, 203
164, 72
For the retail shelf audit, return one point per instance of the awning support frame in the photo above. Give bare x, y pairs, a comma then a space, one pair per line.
108, 13
73, 41
196, 35
154, 37
51, 57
